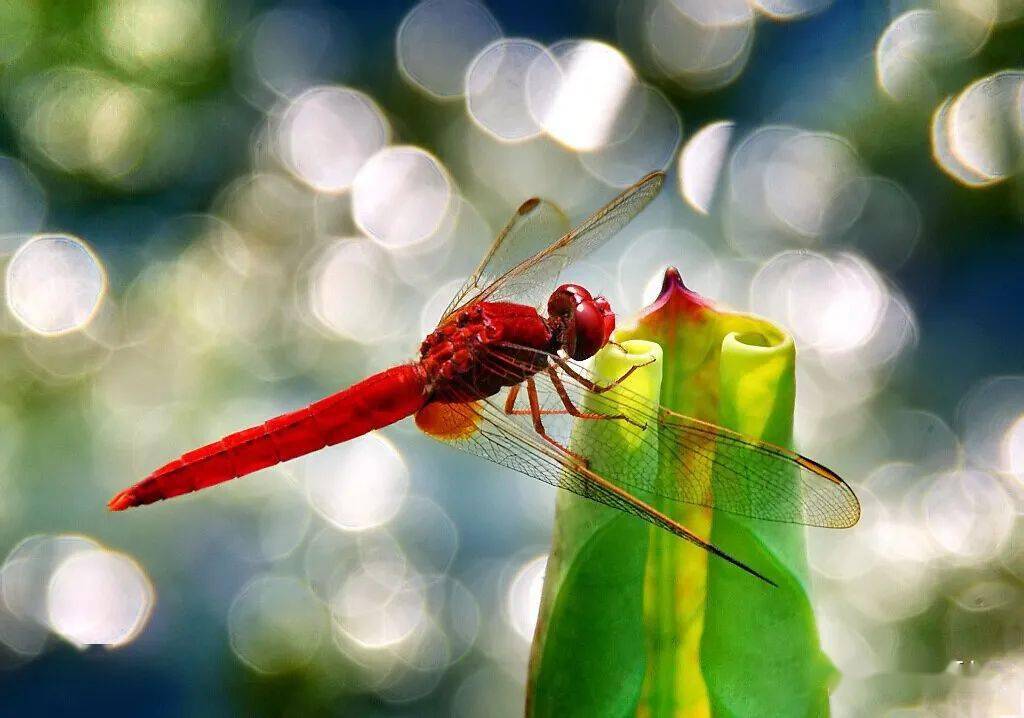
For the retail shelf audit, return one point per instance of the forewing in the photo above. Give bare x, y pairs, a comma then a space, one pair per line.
504, 276
534, 227
700, 463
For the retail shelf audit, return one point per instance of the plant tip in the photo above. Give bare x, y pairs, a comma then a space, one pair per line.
672, 279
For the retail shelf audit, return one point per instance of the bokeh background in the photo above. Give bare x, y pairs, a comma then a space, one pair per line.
212, 212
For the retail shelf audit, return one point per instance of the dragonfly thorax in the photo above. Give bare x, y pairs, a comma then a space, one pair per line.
464, 354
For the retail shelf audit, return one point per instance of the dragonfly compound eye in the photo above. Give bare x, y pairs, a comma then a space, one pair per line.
608, 317
587, 323
566, 298
591, 330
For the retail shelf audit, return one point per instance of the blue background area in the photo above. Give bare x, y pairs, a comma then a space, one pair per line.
965, 283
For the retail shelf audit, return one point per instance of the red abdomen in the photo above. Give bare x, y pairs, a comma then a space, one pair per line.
371, 404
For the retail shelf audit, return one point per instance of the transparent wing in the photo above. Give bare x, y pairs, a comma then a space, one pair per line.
535, 226
700, 463
484, 429
505, 276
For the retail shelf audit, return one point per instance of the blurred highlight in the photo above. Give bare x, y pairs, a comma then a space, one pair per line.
213, 212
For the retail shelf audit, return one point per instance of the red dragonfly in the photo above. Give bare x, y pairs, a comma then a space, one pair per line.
491, 343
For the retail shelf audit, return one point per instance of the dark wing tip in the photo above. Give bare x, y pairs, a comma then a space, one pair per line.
657, 177
528, 206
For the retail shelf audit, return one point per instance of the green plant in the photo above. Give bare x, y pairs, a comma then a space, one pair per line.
635, 621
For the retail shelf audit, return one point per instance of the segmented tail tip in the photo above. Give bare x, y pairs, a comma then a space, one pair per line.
124, 500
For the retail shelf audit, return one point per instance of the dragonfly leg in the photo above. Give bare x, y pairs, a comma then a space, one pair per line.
510, 400
593, 385
510, 407
574, 411
538, 423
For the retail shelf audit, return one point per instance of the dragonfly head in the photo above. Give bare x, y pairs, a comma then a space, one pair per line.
582, 323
